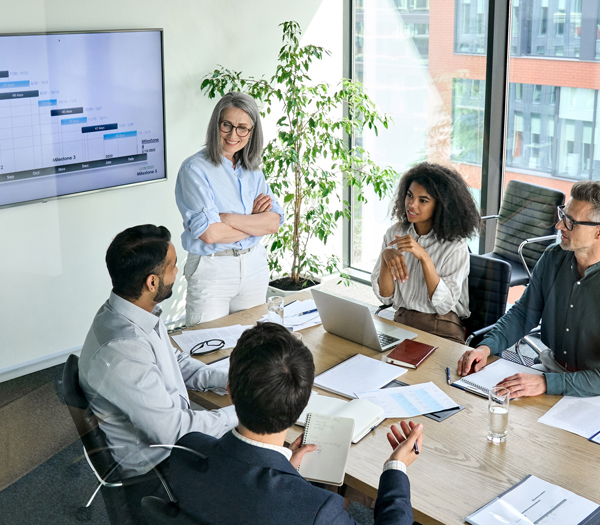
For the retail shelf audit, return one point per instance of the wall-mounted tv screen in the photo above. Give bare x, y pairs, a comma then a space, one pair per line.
79, 112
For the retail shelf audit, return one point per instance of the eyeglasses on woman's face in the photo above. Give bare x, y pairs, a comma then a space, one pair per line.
569, 222
241, 131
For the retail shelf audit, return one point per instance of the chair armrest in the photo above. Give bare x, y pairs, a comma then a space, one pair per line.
478, 333
528, 241
382, 307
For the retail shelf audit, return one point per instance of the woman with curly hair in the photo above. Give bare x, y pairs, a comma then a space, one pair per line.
424, 264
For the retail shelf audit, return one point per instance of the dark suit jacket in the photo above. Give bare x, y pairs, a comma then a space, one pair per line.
240, 483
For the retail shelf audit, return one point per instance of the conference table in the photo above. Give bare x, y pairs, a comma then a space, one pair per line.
458, 470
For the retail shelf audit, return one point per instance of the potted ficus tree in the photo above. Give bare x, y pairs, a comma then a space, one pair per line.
311, 159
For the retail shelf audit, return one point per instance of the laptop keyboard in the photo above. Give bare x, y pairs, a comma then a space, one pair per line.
385, 339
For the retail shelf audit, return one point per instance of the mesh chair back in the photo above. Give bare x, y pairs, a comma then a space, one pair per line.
527, 211
85, 421
489, 280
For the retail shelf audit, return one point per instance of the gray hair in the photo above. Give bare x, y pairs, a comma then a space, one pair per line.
251, 155
588, 191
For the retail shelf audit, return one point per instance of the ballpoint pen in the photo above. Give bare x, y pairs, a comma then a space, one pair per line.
448, 375
304, 313
416, 448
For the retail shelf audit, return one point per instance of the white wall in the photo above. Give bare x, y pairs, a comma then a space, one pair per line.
52, 273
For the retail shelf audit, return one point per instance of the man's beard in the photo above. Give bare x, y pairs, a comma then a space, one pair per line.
163, 292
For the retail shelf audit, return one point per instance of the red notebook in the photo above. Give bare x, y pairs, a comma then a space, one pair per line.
410, 353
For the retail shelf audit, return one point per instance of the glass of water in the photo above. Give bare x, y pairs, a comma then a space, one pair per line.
498, 401
275, 305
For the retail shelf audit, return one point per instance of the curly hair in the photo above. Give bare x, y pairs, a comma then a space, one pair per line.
456, 215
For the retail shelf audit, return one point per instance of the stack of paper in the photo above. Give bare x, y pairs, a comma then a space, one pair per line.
299, 315
230, 334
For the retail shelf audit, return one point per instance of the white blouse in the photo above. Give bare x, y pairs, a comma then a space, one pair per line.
451, 261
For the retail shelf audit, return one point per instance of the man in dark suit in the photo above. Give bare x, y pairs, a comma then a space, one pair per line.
248, 476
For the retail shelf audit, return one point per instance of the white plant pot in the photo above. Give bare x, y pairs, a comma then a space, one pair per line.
272, 290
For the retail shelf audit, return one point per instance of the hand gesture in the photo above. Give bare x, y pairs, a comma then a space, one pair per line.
403, 441
262, 203
396, 263
473, 360
298, 451
406, 243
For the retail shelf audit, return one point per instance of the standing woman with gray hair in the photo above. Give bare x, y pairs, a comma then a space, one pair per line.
227, 207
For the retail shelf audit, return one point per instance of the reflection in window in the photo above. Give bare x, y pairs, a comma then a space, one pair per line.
533, 146
468, 98
554, 28
470, 26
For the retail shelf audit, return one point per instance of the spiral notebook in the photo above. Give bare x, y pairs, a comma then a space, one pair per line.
489, 376
333, 436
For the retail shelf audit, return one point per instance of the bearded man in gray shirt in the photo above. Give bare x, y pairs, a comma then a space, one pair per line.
135, 380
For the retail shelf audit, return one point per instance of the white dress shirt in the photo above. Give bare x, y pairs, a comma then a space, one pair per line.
389, 465
135, 381
451, 261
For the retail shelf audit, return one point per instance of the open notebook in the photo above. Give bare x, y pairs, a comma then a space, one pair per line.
489, 376
333, 436
366, 415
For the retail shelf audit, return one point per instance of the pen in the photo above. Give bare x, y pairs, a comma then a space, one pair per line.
416, 448
304, 313
448, 375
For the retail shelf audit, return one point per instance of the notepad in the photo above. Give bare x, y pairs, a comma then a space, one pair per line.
357, 374
489, 376
333, 436
366, 415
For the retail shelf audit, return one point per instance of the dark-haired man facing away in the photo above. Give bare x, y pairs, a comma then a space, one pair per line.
130, 373
248, 476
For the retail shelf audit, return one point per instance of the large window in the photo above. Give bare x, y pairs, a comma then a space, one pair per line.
436, 90
405, 57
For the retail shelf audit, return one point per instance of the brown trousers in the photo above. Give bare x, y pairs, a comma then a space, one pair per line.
448, 326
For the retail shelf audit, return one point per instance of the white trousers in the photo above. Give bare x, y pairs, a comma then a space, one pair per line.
219, 286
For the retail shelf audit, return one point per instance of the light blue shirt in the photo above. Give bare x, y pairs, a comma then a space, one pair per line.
204, 190
136, 383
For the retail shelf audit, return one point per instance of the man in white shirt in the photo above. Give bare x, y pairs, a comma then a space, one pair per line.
134, 379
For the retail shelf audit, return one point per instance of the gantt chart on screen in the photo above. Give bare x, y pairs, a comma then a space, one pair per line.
79, 112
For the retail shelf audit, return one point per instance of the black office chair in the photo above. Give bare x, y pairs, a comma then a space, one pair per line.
160, 512
488, 292
96, 450
525, 227
489, 280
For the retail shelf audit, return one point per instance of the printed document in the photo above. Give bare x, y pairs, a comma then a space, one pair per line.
230, 334
409, 401
579, 415
534, 501
292, 318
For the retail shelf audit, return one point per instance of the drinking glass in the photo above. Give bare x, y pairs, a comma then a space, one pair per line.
498, 401
275, 305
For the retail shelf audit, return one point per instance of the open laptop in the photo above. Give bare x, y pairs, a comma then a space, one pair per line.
351, 320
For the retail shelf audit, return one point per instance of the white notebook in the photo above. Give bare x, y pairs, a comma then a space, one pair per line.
333, 436
366, 415
358, 374
490, 375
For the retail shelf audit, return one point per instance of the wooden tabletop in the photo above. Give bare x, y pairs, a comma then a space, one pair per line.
458, 470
